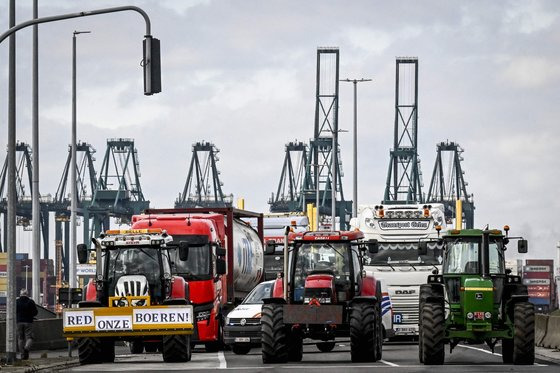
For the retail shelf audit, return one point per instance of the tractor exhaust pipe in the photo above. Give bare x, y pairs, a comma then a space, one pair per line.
484, 255
285, 279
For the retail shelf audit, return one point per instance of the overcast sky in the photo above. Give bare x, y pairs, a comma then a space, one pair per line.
241, 74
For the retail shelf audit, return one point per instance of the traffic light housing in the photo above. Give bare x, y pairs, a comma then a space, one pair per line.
152, 66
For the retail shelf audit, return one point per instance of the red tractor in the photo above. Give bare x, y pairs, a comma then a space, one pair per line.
323, 294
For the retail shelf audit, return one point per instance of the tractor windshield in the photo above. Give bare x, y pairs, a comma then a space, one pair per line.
320, 257
463, 256
404, 253
135, 261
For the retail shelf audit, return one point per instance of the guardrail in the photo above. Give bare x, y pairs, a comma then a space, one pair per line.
547, 331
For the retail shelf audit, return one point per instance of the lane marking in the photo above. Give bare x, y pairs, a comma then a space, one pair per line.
495, 353
388, 363
222, 359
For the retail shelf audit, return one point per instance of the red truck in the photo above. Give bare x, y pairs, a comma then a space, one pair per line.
224, 263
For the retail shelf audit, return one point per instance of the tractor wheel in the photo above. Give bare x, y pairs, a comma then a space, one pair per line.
295, 348
524, 334
420, 351
241, 349
176, 348
108, 351
274, 336
433, 332
90, 350
136, 347
326, 346
379, 331
507, 351
363, 341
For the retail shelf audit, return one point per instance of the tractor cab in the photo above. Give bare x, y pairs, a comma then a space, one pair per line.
135, 267
475, 299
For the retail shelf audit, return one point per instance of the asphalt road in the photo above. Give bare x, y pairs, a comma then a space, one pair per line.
397, 357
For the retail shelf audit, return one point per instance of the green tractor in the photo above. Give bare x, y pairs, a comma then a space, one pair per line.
475, 299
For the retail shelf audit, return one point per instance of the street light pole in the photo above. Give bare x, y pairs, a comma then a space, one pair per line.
74, 164
26, 268
355, 150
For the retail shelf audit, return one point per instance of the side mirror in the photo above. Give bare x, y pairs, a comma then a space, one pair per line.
422, 248
82, 253
270, 247
220, 251
220, 266
183, 251
522, 246
372, 246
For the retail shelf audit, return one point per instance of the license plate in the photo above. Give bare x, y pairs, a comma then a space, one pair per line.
479, 315
242, 339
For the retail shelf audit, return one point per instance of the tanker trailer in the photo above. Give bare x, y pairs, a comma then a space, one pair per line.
224, 262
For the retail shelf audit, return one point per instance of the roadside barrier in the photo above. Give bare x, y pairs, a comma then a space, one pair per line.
47, 335
541, 324
552, 333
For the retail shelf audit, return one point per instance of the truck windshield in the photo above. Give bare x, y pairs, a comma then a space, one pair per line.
463, 256
315, 257
197, 266
134, 261
404, 253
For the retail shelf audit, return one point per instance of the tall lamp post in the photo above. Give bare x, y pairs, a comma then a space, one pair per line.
355, 150
74, 165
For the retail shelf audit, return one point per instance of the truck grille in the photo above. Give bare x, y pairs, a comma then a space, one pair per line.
407, 306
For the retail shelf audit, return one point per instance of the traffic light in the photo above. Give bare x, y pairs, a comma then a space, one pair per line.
152, 66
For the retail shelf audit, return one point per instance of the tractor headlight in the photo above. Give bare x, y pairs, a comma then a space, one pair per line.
488, 315
470, 315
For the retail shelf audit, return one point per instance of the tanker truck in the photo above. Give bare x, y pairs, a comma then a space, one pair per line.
224, 261
396, 260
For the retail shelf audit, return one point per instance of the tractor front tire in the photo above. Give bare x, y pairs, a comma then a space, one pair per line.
524, 334
363, 341
90, 350
274, 334
432, 334
176, 348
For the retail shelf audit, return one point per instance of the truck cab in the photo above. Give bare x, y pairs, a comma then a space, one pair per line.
397, 261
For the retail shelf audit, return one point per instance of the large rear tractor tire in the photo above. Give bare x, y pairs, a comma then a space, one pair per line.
90, 350
326, 346
524, 334
274, 334
177, 348
363, 341
433, 333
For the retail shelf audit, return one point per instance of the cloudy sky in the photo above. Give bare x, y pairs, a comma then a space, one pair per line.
241, 74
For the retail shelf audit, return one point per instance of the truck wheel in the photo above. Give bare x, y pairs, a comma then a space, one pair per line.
107, 351
274, 336
239, 349
89, 350
136, 347
176, 348
295, 348
433, 331
524, 334
326, 346
363, 341
507, 351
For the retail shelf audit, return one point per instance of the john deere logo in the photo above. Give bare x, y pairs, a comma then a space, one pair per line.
243, 322
478, 296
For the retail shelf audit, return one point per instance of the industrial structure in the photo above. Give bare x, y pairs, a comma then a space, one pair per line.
289, 196
203, 187
323, 170
404, 179
448, 183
